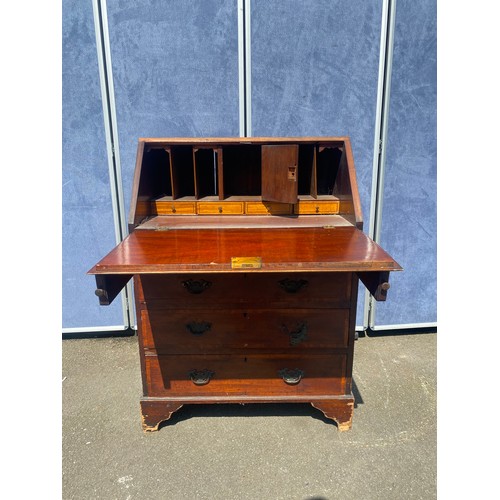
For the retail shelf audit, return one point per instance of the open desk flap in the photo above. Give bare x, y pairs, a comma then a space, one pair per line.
307, 249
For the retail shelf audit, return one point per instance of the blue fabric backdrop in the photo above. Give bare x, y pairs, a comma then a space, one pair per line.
409, 210
175, 70
315, 72
87, 217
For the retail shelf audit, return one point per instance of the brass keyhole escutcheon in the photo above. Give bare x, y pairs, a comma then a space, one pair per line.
292, 173
292, 286
317, 209
296, 335
196, 286
198, 327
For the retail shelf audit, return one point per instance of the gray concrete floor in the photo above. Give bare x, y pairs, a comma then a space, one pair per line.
255, 451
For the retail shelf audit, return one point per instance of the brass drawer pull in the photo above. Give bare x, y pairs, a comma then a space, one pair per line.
196, 286
298, 335
198, 327
291, 377
292, 286
201, 377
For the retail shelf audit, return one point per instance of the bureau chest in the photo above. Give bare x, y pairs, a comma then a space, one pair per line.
245, 256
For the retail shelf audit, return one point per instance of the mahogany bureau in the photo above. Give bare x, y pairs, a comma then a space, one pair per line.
246, 255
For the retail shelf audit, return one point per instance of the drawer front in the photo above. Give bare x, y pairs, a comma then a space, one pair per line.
316, 207
218, 331
174, 207
220, 208
242, 290
219, 375
267, 208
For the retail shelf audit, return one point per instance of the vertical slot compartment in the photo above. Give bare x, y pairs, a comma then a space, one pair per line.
242, 170
155, 180
327, 167
307, 170
182, 171
205, 168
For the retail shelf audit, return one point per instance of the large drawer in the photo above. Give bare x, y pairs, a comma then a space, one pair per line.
218, 375
218, 331
239, 290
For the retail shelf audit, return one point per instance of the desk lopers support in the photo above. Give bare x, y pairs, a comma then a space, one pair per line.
246, 255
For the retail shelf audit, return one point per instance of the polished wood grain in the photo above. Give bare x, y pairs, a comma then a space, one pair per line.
280, 173
281, 332
267, 208
352, 191
316, 207
222, 208
162, 223
188, 331
160, 141
245, 375
156, 410
181, 167
245, 291
170, 207
210, 250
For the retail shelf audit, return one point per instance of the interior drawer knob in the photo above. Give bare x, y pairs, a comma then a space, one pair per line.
196, 286
291, 377
198, 327
201, 377
292, 286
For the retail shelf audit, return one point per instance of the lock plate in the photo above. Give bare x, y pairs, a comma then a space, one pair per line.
246, 262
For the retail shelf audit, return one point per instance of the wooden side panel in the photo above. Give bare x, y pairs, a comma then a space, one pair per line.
151, 180
133, 219
280, 173
349, 187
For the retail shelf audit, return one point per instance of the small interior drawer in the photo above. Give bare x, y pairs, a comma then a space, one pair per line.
267, 208
174, 207
316, 207
221, 208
